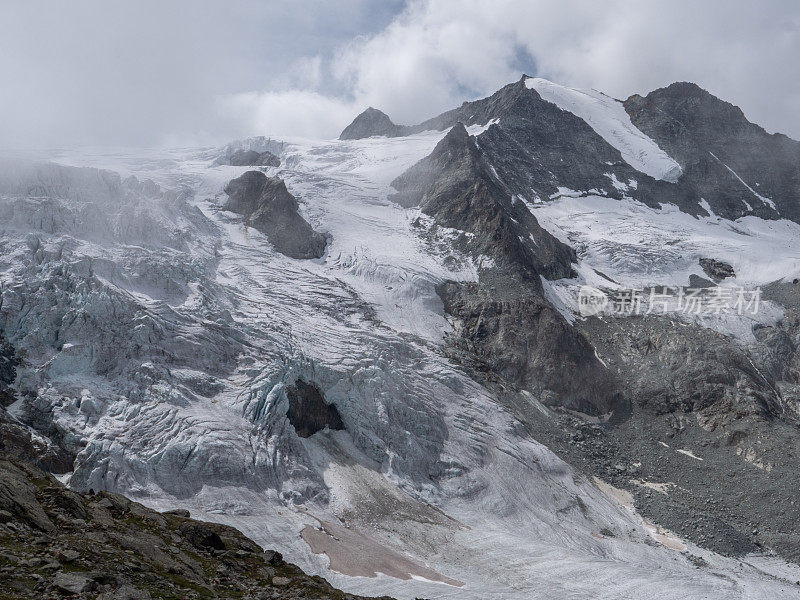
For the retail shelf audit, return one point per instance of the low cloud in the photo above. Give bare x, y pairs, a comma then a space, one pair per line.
145, 73
440, 52
291, 113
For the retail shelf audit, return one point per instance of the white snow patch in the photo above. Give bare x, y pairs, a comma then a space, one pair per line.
706, 207
620, 185
479, 129
689, 454
764, 199
639, 246
608, 118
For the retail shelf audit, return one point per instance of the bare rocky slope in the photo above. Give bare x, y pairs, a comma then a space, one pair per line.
56, 543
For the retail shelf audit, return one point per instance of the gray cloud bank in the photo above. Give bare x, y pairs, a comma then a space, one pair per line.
152, 73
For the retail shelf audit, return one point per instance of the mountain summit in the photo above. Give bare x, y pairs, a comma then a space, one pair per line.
370, 123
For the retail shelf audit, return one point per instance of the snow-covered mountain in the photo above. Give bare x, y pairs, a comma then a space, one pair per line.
379, 365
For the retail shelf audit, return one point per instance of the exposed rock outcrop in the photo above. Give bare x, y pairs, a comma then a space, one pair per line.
455, 186
525, 341
267, 206
251, 158
370, 123
716, 269
308, 412
57, 543
8, 371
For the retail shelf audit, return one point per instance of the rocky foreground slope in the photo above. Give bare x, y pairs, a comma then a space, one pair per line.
56, 543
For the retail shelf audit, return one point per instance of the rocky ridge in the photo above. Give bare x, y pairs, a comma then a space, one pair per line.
56, 543
540, 151
370, 123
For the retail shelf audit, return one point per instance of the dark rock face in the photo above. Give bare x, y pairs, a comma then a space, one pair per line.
370, 123
504, 321
525, 341
201, 536
535, 147
267, 206
55, 543
716, 269
308, 412
711, 138
251, 158
16, 440
8, 371
669, 369
456, 187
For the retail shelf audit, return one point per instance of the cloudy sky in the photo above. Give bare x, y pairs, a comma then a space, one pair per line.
155, 72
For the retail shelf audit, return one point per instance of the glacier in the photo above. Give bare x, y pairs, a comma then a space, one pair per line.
159, 335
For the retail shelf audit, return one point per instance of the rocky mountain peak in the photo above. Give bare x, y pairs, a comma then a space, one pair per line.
370, 123
735, 165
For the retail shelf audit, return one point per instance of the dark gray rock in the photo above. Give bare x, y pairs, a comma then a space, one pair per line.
526, 341
370, 123
72, 583
716, 269
45, 450
267, 206
18, 497
669, 368
710, 137
125, 592
536, 148
456, 186
9, 361
251, 158
201, 536
308, 412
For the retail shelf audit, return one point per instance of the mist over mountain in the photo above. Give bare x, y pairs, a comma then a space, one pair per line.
413, 300
543, 339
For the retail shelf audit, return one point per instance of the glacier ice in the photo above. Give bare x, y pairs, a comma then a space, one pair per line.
160, 334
